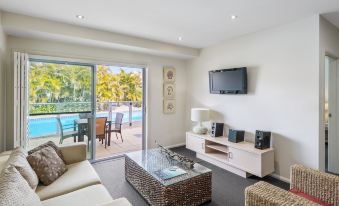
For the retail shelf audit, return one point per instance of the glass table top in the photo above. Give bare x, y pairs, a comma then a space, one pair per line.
155, 160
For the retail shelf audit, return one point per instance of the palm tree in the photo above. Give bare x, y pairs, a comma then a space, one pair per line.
56, 83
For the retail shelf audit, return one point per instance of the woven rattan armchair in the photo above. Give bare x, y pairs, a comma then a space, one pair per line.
318, 184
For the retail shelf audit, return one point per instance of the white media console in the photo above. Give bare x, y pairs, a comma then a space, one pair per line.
240, 158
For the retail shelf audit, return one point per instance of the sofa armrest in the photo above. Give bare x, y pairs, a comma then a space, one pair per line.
75, 152
117, 202
265, 194
321, 185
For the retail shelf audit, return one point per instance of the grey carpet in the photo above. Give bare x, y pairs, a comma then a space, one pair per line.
227, 188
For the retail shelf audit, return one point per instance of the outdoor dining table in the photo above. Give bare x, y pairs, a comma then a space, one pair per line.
83, 123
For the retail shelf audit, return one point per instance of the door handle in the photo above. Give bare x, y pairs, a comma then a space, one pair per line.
329, 115
230, 155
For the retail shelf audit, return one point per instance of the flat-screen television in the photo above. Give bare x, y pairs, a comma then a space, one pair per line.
228, 81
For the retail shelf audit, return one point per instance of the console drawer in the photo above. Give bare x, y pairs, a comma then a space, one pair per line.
195, 143
245, 160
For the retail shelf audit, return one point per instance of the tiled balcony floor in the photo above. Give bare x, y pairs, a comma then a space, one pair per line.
132, 136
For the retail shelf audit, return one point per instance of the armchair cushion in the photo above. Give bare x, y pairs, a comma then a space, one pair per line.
309, 197
265, 194
318, 184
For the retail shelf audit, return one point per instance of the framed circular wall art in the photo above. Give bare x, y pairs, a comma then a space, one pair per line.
169, 91
169, 74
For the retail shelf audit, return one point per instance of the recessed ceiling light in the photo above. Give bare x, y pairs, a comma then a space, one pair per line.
180, 38
234, 17
80, 16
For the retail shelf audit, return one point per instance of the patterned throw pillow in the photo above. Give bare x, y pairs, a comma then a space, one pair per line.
47, 165
51, 144
18, 160
14, 190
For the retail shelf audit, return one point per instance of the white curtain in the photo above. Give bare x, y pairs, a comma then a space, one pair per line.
20, 99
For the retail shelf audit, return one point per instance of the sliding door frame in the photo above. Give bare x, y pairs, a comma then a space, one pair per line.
54, 57
144, 108
333, 109
93, 93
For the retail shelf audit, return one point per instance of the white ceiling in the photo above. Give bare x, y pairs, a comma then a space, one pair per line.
201, 23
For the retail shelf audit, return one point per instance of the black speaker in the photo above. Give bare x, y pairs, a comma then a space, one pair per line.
262, 139
217, 129
236, 135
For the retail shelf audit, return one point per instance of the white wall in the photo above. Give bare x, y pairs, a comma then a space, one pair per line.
167, 129
328, 45
283, 89
2, 85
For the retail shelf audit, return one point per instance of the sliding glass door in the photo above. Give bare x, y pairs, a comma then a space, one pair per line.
101, 105
120, 92
61, 103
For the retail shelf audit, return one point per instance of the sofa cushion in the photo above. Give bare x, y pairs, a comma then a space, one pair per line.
18, 160
78, 175
309, 197
74, 152
14, 189
47, 144
6, 153
47, 165
3, 160
88, 196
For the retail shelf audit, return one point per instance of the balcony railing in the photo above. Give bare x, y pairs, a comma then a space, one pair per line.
42, 117
59, 108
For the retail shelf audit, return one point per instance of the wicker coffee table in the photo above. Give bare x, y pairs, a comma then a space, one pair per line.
192, 188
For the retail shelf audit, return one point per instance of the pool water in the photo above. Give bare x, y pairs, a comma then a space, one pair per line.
40, 127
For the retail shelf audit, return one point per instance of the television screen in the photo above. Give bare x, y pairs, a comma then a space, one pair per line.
228, 81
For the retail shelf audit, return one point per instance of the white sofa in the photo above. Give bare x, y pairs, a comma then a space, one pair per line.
79, 186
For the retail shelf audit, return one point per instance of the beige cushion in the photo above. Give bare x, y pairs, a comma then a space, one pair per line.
6, 153
3, 160
14, 189
47, 144
47, 165
74, 152
89, 196
78, 175
19, 161
118, 202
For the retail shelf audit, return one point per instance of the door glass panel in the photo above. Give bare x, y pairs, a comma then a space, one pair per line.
60, 103
119, 95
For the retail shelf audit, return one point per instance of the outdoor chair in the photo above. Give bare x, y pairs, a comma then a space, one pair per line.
66, 131
101, 129
308, 187
84, 129
84, 115
116, 125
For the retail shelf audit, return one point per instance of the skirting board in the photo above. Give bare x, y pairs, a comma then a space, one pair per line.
284, 179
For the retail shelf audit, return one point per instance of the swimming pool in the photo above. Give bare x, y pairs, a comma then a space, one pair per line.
40, 127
